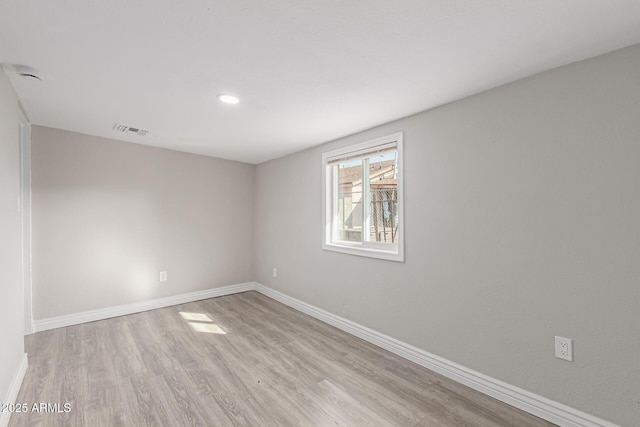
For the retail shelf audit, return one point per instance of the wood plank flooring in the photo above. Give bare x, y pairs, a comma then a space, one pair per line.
239, 360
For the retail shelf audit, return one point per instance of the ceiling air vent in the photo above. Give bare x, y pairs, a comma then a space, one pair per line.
128, 129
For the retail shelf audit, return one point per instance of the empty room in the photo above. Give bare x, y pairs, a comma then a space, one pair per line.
320, 213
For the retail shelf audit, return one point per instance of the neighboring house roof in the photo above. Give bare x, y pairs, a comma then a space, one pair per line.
353, 175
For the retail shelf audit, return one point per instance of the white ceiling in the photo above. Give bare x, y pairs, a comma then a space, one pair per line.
306, 71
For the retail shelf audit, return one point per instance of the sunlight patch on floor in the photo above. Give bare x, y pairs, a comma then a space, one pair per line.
200, 322
209, 328
198, 317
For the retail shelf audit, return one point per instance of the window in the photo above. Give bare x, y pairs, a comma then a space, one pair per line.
362, 190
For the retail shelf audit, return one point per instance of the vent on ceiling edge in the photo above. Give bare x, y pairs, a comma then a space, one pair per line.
128, 129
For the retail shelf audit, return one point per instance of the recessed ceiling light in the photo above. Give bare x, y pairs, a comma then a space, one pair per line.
228, 99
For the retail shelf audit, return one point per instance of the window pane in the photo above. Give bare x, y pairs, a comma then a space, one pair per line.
383, 179
349, 201
362, 211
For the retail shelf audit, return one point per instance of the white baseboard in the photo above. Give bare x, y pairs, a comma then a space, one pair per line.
539, 406
14, 388
122, 310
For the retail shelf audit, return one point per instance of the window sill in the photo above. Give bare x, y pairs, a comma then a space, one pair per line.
387, 255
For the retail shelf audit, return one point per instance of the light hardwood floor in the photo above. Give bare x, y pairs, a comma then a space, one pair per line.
274, 366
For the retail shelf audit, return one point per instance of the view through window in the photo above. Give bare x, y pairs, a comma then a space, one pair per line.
374, 198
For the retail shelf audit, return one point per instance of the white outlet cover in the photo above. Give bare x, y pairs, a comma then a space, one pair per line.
275, 272
163, 276
564, 348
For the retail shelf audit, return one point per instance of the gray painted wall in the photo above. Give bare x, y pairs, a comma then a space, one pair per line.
109, 215
522, 222
11, 305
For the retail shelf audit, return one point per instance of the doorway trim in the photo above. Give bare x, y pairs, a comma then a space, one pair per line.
25, 210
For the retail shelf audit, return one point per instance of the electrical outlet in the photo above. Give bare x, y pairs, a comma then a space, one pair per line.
564, 348
275, 272
163, 276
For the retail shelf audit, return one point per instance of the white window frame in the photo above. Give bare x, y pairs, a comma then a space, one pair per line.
329, 191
